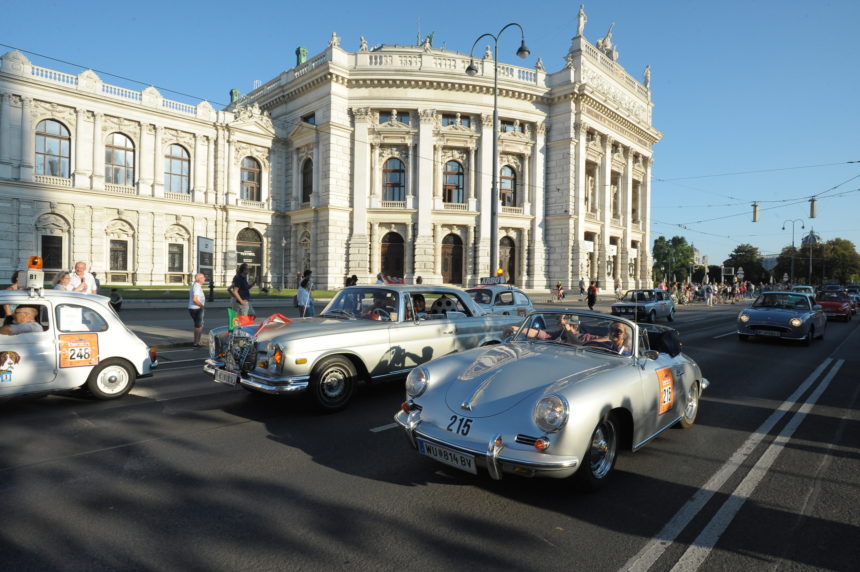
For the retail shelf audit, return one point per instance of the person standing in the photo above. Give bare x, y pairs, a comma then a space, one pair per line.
63, 281
303, 298
310, 309
241, 292
582, 287
115, 300
196, 306
83, 281
592, 295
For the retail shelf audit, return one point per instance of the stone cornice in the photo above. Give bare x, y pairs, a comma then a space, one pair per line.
597, 110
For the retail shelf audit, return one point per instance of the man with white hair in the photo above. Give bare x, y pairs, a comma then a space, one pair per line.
82, 281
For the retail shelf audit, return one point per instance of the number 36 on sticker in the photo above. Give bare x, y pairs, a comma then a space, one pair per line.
666, 387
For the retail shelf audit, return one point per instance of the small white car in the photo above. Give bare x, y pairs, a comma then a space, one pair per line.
83, 343
501, 299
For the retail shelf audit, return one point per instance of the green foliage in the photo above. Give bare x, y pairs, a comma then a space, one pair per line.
673, 259
748, 257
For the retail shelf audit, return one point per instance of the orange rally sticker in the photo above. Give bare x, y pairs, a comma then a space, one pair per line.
78, 350
666, 398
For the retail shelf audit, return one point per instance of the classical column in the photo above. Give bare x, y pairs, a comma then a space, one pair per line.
645, 248
604, 202
358, 247
524, 257
199, 192
537, 277
375, 250
409, 256
425, 196
472, 174
98, 172
627, 214
5, 137
28, 153
230, 189
158, 163
437, 249
468, 256
578, 207
80, 173
373, 174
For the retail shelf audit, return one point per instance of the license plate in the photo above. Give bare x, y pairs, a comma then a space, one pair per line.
767, 333
225, 377
448, 456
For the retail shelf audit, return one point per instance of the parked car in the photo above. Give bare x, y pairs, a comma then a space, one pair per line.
550, 403
645, 305
784, 315
836, 304
82, 343
367, 333
501, 299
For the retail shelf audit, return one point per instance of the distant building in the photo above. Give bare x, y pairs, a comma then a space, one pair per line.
360, 162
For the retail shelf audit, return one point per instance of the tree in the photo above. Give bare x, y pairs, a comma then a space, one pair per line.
783, 264
748, 257
673, 258
842, 263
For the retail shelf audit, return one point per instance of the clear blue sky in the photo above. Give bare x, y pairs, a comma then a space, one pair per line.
757, 100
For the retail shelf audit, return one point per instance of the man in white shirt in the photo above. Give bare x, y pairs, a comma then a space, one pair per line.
196, 303
82, 281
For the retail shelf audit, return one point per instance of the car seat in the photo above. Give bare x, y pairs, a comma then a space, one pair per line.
442, 306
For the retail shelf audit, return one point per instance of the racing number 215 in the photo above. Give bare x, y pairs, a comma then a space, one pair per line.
460, 425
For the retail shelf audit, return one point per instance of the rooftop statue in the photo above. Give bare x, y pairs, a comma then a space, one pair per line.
605, 45
581, 20
362, 44
647, 78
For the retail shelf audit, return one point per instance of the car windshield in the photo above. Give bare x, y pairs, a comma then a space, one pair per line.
637, 296
599, 333
364, 304
481, 296
782, 300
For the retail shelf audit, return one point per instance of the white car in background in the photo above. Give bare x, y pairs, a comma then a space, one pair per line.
501, 299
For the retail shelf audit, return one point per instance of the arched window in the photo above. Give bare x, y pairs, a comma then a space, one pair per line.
508, 258
307, 180
119, 160
508, 187
393, 180
249, 250
250, 190
53, 149
177, 170
452, 189
392, 255
452, 259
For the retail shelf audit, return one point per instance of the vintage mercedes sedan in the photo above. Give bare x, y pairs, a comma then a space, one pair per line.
782, 315
75, 341
502, 299
560, 399
369, 333
645, 305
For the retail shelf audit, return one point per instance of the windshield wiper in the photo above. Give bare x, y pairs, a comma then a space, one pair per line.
340, 314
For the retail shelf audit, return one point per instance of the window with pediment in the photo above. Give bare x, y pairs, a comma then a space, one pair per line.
177, 170
393, 180
53, 149
119, 160
511, 126
307, 180
394, 115
456, 119
508, 187
453, 183
250, 174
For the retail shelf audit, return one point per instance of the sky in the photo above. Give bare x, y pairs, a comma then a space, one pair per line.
757, 100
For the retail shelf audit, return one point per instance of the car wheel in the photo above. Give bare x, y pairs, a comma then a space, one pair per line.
333, 383
810, 335
599, 458
111, 379
692, 407
671, 316
652, 316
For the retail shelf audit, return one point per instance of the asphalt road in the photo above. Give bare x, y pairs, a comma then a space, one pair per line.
184, 474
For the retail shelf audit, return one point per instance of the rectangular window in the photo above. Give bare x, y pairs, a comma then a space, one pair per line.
451, 119
310, 118
52, 251
118, 255
175, 256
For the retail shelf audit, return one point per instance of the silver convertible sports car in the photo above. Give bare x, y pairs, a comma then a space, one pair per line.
365, 333
785, 315
560, 399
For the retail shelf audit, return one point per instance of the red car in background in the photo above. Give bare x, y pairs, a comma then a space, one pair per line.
835, 304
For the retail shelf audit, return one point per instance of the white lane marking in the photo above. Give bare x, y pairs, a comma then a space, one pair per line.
383, 428
724, 335
655, 548
705, 542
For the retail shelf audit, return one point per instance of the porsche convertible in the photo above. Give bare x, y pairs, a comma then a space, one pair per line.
560, 399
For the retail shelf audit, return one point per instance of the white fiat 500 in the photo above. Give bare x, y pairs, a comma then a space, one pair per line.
81, 343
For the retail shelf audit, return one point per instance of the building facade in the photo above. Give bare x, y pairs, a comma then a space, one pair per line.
365, 162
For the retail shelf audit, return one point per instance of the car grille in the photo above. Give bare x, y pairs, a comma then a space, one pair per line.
526, 439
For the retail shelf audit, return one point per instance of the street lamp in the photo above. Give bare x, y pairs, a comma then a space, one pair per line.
472, 70
793, 222
811, 240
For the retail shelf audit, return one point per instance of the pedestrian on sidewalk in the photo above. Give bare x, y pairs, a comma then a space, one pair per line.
303, 298
592, 295
581, 287
310, 310
241, 292
196, 303
115, 300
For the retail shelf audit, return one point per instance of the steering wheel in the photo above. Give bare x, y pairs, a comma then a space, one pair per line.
380, 314
600, 344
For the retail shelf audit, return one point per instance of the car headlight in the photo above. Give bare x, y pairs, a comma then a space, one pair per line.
796, 322
550, 413
744, 318
416, 382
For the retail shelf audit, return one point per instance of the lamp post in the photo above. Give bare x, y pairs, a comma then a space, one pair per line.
472, 70
793, 222
811, 240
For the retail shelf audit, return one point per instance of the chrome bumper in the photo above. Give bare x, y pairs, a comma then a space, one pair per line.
496, 458
262, 383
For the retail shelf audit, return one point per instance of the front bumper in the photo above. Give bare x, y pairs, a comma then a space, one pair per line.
772, 331
495, 457
262, 383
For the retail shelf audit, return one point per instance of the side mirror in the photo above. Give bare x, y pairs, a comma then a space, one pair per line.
652, 354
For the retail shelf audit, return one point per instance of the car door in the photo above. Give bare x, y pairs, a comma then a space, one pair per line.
82, 339
416, 341
662, 383
28, 361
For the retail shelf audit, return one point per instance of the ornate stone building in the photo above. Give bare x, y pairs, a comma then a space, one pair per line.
378, 160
